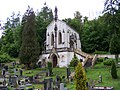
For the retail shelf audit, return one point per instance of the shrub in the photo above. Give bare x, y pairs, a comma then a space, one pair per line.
80, 77
49, 66
4, 58
74, 61
108, 62
100, 59
113, 70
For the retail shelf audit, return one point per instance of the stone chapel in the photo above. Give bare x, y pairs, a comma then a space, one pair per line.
62, 42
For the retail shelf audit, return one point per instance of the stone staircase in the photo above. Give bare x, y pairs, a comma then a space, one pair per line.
89, 59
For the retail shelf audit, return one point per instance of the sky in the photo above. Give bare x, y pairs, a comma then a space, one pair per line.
66, 8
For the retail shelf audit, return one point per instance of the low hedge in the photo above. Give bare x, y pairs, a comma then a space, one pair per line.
107, 62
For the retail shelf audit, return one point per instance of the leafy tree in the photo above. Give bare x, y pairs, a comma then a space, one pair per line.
43, 19
95, 36
29, 51
112, 8
10, 36
113, 70
4, 58
80, 78
74, 61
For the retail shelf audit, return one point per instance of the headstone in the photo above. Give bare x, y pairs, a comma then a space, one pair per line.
6, 68
19, 82
4, 82
68, 72
45, 84
61, 86
51, 83
30, 79
3, 88
20, 72
3, 72
100, 78
14, 81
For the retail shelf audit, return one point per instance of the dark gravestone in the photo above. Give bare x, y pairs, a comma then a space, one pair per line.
81, 60
48, 84
6, 68
21, 72
13, 81
68, 72
3, 72
57, 82
4, 82
3, 88
19, 82
31, 79
45, 84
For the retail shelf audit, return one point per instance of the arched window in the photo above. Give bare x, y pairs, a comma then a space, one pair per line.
59, 38
52, 39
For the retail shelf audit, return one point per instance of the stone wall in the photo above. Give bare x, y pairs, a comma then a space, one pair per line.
107, 55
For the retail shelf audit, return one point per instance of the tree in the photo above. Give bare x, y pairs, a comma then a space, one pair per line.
115, 46
112, 8
10, 36
95, 36
74, 61
113, 70
43, 19
80, 77
29, 51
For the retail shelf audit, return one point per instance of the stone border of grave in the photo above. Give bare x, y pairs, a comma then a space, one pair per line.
102, 88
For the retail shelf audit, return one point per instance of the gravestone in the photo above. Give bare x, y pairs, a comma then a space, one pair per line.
3, 72
45, 84
20, 72
68, 72
6, 68
48, 84
4, 82
100, 78
3, 88
30, 79
61, 86
13, 80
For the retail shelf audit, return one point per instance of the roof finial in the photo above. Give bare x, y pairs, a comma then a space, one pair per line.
56, 16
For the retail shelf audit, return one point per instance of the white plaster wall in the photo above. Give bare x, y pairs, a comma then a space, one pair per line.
65, 36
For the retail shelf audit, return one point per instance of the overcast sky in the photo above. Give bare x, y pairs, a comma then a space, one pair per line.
66, 8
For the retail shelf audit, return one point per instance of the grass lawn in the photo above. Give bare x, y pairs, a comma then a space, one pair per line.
93, 74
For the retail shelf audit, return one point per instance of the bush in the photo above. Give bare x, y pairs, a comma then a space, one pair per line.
74, 61
100, 59
49, 66
4, 58
108, 62
113, 70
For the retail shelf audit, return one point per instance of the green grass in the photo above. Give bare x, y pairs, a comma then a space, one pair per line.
93, 74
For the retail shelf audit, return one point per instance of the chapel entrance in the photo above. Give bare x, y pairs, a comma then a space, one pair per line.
54, 60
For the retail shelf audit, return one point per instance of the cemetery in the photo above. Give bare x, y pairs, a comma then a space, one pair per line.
15, 77
38, 51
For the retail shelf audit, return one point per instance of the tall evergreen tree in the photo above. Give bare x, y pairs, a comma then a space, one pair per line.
29, 51
80, 78
113, 70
